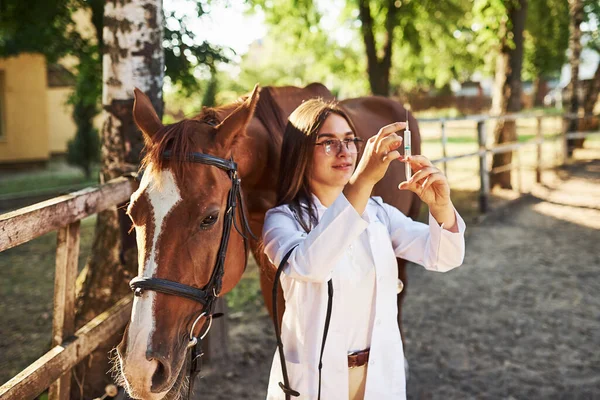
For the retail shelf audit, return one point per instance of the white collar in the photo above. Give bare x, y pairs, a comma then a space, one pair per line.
321, 208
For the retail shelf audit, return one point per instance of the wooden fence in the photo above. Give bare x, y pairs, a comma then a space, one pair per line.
64, 214
485, 151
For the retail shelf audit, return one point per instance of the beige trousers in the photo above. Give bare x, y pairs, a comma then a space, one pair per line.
357, 378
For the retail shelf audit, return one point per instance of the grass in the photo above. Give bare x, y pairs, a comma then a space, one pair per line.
473, 139
27, 288
246, 295
57, 176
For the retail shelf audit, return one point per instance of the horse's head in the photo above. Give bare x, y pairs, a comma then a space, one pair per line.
180, 215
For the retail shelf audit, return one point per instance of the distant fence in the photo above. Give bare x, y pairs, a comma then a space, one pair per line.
466, 104
64, 213
486, 151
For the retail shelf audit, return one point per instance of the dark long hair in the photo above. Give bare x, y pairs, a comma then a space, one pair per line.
297, 149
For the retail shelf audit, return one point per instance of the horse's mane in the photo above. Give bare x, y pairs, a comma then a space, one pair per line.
178, 137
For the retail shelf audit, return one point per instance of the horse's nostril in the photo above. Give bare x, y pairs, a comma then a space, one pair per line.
161, 376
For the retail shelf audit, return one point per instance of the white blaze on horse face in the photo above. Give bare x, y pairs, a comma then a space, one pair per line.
163, 194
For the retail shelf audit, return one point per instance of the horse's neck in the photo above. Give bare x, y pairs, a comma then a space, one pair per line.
275, 106
264, 136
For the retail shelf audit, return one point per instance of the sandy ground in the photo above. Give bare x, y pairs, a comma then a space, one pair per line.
519, 320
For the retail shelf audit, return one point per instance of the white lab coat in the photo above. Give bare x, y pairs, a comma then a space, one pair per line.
321, 255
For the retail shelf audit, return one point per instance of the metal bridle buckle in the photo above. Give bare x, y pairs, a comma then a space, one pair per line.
194, 339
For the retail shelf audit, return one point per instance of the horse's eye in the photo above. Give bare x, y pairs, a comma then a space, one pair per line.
208, 221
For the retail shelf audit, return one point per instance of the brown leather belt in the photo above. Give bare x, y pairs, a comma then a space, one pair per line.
358, 358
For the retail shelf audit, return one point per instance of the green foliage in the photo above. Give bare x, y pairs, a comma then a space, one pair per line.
84, 149
210, 94
547, 38
313, 46
48, 27
433, 44
246, 295
37, 26
269, 63
490, 25
183, 53
302, 46
591, 17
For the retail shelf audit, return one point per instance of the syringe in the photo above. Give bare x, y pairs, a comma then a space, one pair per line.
407, 143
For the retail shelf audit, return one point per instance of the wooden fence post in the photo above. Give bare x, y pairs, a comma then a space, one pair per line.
63, 324
484, 176
566, 124
444, 143
540, 137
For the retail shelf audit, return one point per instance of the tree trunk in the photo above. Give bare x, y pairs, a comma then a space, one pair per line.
132, 57
590, 123
508, 88
540, 90
576, 13
378, 69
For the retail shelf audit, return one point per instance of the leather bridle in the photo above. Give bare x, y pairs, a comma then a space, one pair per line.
208, 294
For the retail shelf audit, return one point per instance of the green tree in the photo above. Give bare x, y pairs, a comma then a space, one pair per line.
48, 28
389, 44
591, 17
547, 39
575, 46
501, 26
300, 47
37, 27
209, 99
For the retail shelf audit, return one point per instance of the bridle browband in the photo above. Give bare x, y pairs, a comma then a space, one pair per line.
208, 294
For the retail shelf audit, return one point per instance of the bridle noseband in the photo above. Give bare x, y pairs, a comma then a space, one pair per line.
208, 294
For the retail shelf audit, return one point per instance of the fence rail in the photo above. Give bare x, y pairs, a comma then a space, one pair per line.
64, 214
485, 150
25, 224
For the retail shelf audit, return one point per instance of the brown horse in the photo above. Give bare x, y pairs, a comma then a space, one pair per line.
179, 210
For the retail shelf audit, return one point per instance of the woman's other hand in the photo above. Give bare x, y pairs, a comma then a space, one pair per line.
431, 185
428, 182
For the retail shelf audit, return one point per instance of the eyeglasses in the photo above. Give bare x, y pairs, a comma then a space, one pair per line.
334, 146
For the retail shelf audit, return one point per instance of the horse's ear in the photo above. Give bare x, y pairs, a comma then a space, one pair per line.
236, 123
144, 115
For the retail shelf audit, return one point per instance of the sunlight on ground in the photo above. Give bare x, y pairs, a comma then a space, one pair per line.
589, 218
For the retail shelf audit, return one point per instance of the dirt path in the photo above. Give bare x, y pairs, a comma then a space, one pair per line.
519, 320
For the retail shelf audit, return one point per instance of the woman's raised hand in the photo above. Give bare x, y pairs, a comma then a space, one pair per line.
379, 152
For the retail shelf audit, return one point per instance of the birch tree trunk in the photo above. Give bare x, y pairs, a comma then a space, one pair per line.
132, 57
508, 86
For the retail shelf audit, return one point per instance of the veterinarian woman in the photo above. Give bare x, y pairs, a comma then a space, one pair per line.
335, 230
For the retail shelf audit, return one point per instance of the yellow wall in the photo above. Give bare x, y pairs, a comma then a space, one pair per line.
25, 134
61, 127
